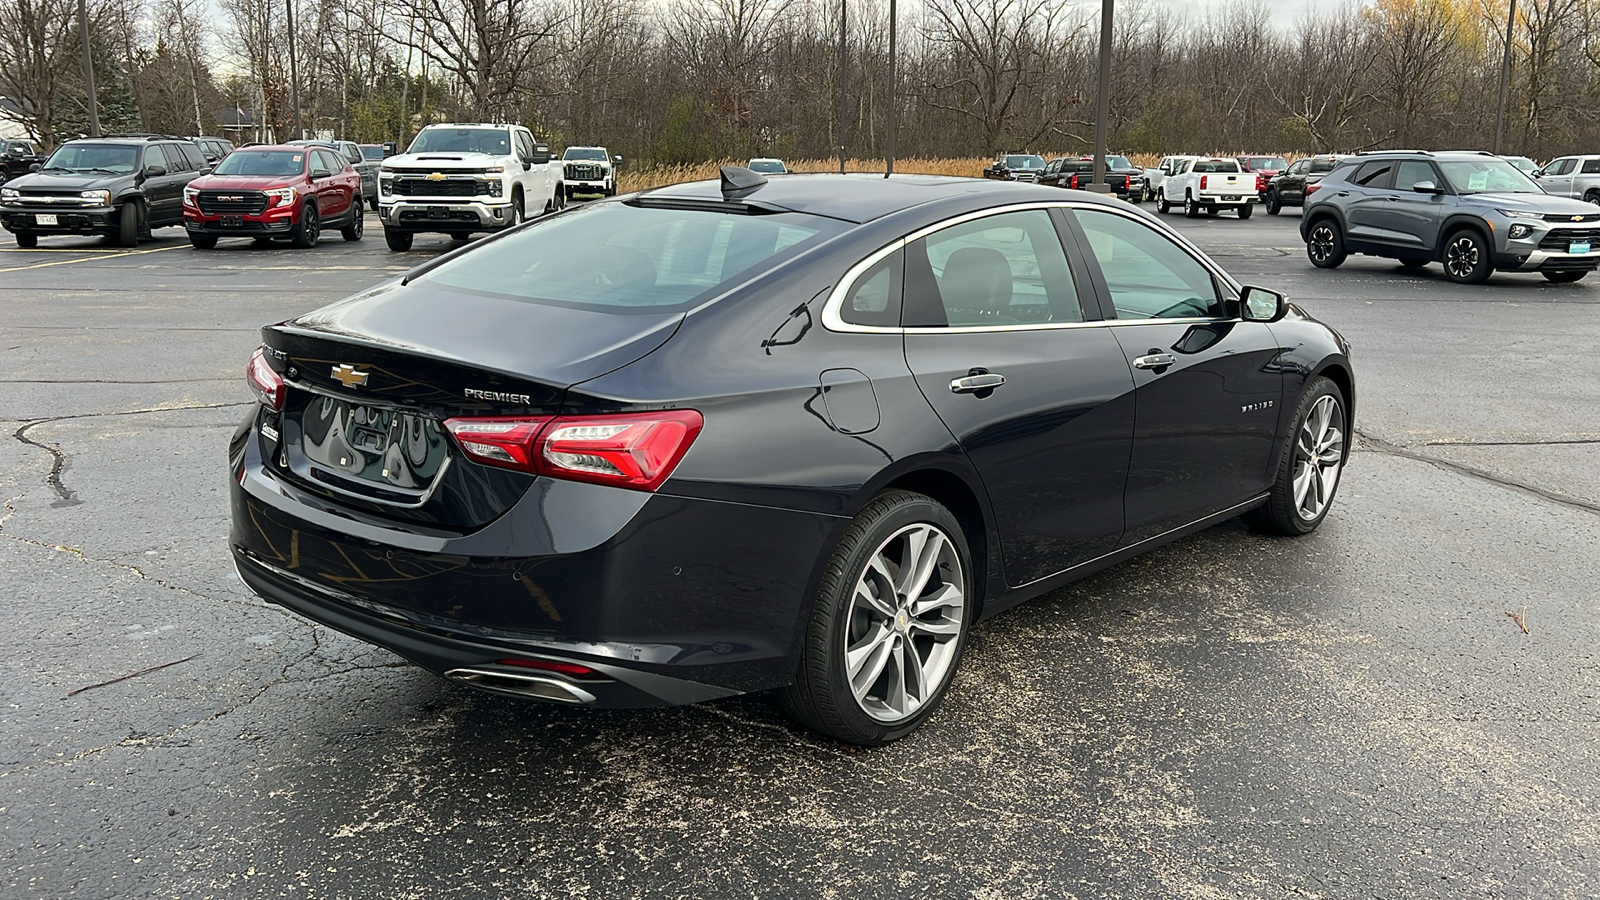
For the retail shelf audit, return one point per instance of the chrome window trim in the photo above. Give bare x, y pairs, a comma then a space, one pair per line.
832, 320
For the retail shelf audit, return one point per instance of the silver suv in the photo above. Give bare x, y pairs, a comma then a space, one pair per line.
1472, 211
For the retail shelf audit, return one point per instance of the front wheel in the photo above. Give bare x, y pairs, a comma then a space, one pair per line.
1325, 246
309, 231
1274, 204
27, 240
398, 241
1310, 462
128, 224
889, 623
1555, 277
202, 241
1466, 258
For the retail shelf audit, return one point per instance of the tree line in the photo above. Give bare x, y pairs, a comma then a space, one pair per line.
688, 80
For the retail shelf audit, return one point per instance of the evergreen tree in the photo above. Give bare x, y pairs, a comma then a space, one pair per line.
113, 93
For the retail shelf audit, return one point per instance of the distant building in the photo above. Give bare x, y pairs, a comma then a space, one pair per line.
11, 118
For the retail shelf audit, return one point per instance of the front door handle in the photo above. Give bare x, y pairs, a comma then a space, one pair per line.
1155, 361
977, 382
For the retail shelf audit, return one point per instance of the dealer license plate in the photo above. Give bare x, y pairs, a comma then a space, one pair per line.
1578, 247
437, 212
232, 221
50, 219
1231, 198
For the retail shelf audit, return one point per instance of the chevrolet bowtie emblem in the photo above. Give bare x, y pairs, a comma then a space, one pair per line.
1577, 218
349, 375
435, 176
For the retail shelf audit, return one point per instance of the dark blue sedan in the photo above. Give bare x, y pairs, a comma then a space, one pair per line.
795, 436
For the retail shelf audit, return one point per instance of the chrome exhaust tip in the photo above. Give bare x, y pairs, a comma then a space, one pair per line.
521, 684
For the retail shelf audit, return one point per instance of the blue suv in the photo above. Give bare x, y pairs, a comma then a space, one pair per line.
1472, 211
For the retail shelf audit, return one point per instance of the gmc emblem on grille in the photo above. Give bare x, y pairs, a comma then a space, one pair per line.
231, 199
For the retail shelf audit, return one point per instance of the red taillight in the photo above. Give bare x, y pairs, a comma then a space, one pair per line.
1074, 183
264, 381
1203, 179
1261, 183
571, 670
631, 450
504, 441
1312, 189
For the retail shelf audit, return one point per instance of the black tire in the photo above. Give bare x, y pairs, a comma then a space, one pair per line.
1162, 206
612, 190
518, 208
27, 240
1566, 277
305, 235
1414, 263
374, 203
358, 222
822, 698
1284, 513
398, 241
1466, 257
1245, 210
1191, 209
1325, 245
202, 241
1592, 197
559, 201
1274, 203
461, 236
128, 224
1212, 211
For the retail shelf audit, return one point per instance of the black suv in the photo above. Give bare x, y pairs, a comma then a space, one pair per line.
120, 186
16, 158
1295, 185
1470, 210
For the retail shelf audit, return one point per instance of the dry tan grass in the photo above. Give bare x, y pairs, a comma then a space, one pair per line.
639, 179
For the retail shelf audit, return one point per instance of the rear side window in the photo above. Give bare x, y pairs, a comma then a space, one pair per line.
1149, 276
1591, 166
874, 297
175, 160
197, 159
1007, 269
1377, 174
625, 258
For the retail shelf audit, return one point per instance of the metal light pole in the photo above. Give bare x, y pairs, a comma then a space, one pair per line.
294, 71
844, 48
1505, 79
889, 144
1101, 125
88, 69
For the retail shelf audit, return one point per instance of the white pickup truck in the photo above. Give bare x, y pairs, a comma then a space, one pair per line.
1208, 184
462, 178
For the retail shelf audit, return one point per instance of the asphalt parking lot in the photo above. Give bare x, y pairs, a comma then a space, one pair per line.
1358, 713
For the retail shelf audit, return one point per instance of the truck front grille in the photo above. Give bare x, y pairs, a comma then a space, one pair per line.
449, 187
250, 203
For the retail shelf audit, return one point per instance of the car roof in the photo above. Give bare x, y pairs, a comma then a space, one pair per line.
863, 197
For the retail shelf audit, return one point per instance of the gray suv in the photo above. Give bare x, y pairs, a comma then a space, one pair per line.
1472, 211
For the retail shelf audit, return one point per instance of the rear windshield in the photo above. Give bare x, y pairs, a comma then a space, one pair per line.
1118, 162
262, 162
1216, 165
621, 258
372, 152
494, 141
1324, 165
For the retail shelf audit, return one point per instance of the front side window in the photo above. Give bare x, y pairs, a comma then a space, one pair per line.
1560, 167
1148, 274
1409, 174
628, 258
1006, 269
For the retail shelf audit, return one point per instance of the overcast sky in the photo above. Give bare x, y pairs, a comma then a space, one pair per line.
1284, 12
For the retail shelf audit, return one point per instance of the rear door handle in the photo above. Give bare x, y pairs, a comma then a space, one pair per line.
1155, 361
982, 381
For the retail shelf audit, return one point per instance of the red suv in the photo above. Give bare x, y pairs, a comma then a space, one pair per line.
1265, 169
274, 191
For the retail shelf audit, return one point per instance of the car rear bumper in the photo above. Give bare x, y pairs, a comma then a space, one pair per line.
674, 599
444, 214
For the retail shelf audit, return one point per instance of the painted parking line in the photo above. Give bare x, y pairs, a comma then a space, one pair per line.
68, 262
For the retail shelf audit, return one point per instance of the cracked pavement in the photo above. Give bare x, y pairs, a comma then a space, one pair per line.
1353, 714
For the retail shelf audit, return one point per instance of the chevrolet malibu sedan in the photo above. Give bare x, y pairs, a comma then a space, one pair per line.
794, 436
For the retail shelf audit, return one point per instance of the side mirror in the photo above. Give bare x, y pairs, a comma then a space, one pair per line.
1427, 187
616, 160
153, 171
1261, 305
34, 167
540, 157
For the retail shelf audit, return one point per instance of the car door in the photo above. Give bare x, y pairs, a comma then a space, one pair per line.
1556, 178
1208, 393
1586, 179
1291, 184
330, 194
164, 193
1417, 217
1036, 394
1367, 193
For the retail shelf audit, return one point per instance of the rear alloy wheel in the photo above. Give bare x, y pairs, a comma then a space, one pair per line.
27, 239
1309, 465
309, 231
398, 241
1466, 258
128, 224
358, 222
889, 624
1190, 208
1325, 246
1274, 205
1566, 277
1593, 197
202, 241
